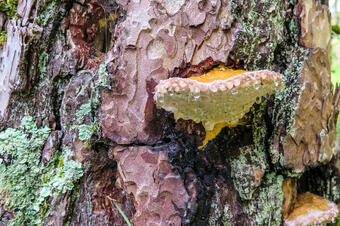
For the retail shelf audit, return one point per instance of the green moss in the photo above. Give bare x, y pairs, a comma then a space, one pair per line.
9, 7
266, 207
26, 183
3, 37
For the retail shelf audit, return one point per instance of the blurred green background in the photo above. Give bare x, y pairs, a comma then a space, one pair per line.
334, 6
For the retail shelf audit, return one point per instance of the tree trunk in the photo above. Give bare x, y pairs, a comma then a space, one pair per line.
85, 71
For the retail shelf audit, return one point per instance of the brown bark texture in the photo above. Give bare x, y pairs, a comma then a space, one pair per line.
87, 70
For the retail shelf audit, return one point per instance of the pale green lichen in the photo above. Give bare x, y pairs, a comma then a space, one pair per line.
258, 31
217, 211
85, 127
86, 131
284, 102
259, 125
84, 109
103, 77
26, 183
291, 58
277, 34
243, 169
101, 82
64, 176
46, 12
334, 189
43, 58
266, 206
227, 217
219, 215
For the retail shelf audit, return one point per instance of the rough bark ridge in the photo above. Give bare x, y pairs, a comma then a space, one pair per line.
85, 71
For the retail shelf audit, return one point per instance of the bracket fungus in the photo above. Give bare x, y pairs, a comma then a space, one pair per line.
218, 98
310, 209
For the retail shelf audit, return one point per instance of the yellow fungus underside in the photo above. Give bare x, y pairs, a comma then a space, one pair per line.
215, 104
218, 73
310, 209
308, 202
211, 134
103, 22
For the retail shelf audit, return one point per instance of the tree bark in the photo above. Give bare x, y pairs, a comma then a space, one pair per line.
87, 70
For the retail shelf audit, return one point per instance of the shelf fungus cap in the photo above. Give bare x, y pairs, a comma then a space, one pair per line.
310, 209
222, 96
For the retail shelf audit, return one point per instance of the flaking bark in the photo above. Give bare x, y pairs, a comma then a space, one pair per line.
87, 70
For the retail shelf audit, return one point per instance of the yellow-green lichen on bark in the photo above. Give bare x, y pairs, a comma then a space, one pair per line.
265, 208
26, 183
271, 41
259, 33
46, 12
85, 122
247, 171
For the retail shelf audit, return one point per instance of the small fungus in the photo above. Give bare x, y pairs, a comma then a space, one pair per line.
218, 98
310, 209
